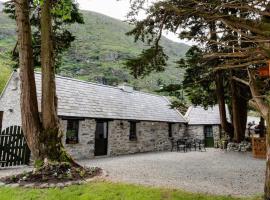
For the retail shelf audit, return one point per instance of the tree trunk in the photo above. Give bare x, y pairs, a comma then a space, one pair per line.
262, 106
267, 173
51, 135
226, 126
29, 106
49, 110
262, 127
239, 112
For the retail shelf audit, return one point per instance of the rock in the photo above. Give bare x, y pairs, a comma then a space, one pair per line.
44, 185
52, 185
68, 183
30, 185
14, 185
61, 185
244, 146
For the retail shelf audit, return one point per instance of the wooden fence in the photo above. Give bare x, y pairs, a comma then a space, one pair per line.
13, 148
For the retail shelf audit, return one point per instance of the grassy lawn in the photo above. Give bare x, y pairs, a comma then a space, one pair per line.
105, 191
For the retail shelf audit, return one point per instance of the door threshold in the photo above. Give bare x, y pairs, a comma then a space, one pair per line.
103, 156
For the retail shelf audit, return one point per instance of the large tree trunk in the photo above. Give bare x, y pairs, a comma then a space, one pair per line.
239, 112
226, 126
49, 110
29, 106
51, 135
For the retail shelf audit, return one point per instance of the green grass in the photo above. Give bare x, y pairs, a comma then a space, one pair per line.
106, 191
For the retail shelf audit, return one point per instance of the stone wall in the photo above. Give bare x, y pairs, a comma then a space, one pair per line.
217, 134
151, 136
86, 146
10, 104
197, 131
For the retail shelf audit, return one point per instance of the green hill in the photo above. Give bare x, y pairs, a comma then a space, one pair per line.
100, 50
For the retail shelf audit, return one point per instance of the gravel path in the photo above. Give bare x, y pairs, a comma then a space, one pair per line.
214, 171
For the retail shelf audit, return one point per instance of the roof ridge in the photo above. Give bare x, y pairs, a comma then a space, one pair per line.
188, 112
99, 84
176, 110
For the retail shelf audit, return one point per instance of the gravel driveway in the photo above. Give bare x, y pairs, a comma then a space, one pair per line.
214, 171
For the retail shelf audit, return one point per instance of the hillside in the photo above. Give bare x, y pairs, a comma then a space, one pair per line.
100, 49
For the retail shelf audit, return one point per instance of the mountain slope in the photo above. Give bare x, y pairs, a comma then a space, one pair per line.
100, 50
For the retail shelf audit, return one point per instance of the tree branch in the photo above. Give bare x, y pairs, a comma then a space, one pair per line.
240, 80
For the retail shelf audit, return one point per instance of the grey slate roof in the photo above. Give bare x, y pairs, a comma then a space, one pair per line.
84, 99
197, 115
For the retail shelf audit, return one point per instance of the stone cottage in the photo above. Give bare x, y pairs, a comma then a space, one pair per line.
100, 120
204, 124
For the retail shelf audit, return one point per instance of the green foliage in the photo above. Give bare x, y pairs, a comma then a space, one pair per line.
179, 104
176, 94
38, 164
65, 12
152, 59
175, 90
100, 51
107, 191
198, 79
63, 9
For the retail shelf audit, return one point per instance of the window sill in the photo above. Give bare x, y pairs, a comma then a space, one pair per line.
72, 143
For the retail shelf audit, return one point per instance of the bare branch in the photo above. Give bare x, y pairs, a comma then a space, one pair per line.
240, 80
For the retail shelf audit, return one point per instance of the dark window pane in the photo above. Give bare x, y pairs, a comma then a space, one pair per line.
101, 130
208, 130
132, 131
170, 130
72, 132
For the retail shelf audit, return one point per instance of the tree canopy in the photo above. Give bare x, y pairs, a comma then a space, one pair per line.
233, 39
64, 13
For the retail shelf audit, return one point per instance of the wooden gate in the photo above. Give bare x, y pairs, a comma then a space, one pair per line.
13, 148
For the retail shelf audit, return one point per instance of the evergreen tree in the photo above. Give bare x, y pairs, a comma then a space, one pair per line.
43, 135
240, 44
67, 13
